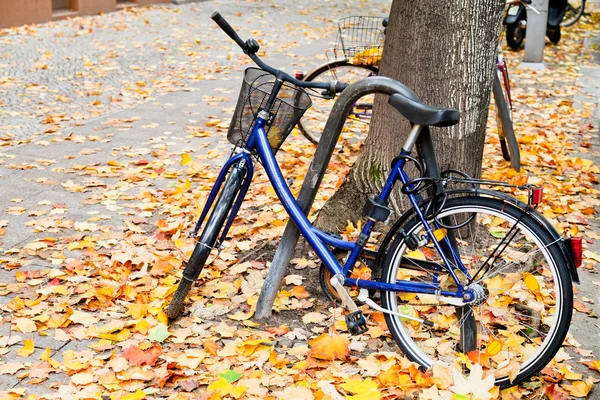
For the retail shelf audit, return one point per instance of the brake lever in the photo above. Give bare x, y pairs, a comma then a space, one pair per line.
327, 94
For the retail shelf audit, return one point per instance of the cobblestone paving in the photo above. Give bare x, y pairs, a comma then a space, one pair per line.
59, 74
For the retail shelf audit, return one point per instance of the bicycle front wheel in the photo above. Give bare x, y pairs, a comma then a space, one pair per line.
574, 11
313, 121
207, 240
523, 312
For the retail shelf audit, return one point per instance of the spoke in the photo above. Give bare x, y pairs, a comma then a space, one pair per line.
542, 334
513, 263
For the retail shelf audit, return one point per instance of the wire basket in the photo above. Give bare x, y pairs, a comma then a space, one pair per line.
291, 103
360, 39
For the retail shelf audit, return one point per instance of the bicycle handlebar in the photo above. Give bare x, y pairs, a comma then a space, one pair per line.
224, 25
250, 47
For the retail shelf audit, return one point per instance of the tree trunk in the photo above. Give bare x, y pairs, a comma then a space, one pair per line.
445, 52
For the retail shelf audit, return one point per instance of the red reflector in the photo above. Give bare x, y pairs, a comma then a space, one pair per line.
536, 196
576, 250
299, 75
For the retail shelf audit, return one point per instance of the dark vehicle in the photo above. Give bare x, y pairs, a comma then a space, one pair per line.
516, 21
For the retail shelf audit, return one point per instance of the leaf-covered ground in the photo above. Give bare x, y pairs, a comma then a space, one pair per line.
96, 218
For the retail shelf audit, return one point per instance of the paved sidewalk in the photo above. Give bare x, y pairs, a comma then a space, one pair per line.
119, 90
170, 73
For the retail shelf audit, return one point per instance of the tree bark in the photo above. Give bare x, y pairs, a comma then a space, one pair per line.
445, 52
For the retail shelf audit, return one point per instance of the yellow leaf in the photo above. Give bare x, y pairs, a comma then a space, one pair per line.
129, 396
532, 284
142, 326
186, 159
213, 122
137, 310
27, 349
224, 388
19, 276
362, 389
494, 347
250, 346
139, 395
440, 234
329, 347
580, 388
570, 375
45, 356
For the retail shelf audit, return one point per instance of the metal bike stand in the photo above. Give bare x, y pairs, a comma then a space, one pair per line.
536, 35
316, 171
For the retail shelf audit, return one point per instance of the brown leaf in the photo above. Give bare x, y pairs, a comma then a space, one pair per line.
550, 375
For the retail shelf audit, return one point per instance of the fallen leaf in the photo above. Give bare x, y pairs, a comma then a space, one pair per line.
329, 347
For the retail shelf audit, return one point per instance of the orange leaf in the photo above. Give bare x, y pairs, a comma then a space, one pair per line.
280, 331
211, 346
137, 356
300, 292
479, 357
594, 364
329, 347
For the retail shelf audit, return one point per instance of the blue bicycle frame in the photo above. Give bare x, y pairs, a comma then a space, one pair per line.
258, 143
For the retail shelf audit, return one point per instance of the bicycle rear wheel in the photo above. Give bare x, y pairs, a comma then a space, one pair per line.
524, 312
574, 12
207, 240
313, 121
504, 122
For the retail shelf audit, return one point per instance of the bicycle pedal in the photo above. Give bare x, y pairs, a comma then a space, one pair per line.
356, 322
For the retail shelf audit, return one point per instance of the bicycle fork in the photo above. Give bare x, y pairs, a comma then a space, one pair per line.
235, 177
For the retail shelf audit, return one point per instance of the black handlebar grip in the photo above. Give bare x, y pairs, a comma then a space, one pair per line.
526, 1
227, 29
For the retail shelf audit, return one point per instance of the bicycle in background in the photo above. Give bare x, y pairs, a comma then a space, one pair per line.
357, 55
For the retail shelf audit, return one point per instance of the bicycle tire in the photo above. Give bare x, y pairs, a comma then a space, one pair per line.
515, 35
506, 133
573, 13
513, 293
313, 121
207, 240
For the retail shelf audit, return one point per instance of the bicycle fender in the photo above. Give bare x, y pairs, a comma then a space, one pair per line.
541, 221
511, 19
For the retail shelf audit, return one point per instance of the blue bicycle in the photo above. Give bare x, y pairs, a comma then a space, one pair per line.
466, 270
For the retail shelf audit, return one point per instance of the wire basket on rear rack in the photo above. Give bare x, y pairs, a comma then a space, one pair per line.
291, 103
360, 39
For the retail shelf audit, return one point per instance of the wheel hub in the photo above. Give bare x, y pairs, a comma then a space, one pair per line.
475, 294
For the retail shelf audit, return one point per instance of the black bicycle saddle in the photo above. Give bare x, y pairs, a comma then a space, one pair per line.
422, 114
